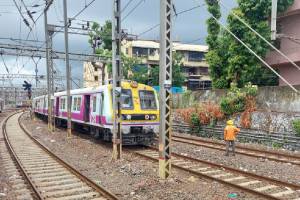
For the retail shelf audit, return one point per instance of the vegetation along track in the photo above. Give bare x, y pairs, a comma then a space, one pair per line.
49, 176
263, 186
258, 153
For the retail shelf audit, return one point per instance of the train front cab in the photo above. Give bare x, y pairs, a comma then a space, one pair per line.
140, 114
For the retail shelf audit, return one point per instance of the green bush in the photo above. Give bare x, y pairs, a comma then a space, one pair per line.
196, 124
296, 126
235, 100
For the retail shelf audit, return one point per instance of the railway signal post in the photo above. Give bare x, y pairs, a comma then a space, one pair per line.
165, 83
117, 78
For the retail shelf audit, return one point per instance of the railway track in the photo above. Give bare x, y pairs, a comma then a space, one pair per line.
258, 153
259, 185
49, 176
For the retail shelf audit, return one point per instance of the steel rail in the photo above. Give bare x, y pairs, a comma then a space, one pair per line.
16, 159
83, 178
239, 148
89, 182
229, 169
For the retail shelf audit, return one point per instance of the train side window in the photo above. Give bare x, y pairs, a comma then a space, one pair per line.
94, 103
78, 104
101, 103
74, 103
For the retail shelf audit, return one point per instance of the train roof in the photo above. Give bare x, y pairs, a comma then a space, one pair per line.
93, 89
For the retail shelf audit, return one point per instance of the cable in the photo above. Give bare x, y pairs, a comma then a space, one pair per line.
257, 56
179, 13
27, 11
85, 7
133, 9
259, 35
128, 3
20, 12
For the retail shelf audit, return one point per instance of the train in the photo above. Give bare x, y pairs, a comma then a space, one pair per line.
92, 109
1, 105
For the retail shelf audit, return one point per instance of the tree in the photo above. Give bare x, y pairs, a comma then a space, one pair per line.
103, 33
105, 49
230, 61
177, 75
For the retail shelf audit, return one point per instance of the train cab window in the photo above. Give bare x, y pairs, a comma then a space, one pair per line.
147, 100
126, 98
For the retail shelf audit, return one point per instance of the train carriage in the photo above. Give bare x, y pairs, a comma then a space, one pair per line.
92, 108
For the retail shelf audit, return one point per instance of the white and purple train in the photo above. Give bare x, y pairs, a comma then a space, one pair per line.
91, 108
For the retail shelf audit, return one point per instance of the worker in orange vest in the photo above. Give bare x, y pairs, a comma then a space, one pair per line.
230, 132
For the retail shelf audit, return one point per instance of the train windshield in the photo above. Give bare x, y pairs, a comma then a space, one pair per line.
126, 98
147, 100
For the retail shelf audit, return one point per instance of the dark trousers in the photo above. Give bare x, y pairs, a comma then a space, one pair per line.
230, 143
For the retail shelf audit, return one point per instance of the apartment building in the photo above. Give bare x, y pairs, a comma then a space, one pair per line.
194, 66
94, 74
288, 30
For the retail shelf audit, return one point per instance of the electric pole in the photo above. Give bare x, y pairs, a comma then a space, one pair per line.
274, 20
48, 39
117, 78
165, 83
68, 71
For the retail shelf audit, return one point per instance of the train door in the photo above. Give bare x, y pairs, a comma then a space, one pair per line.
87, 102
57, 106
93, 108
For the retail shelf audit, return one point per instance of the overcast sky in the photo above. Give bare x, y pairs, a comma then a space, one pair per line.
188, 27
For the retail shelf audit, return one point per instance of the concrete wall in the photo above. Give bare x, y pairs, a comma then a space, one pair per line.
276, 99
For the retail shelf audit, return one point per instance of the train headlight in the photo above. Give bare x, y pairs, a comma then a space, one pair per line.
128, 117
153, 117
147, 117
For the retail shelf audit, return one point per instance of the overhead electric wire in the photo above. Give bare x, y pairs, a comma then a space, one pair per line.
133, 9
179, 13
128, 3
27, 11
259, 35
20, 12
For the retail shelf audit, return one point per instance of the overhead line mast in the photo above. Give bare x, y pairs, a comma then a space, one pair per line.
117, 78
68, 72
165, 83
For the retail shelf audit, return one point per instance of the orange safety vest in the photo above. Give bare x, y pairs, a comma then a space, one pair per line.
230, 132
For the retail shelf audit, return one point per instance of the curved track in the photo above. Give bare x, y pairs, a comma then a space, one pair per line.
49, 176
259, 185
258, 153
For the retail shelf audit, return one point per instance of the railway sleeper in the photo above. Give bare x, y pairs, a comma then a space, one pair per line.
67, 186
56, 178
49, 175
68, 192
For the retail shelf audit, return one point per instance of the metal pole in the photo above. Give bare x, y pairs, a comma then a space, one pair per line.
117, 77
274, 20
51, 78
165, 83
68, 70
48, 66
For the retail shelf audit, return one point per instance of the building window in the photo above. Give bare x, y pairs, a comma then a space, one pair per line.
139, 51
96, 78
203, 70
153, 52
127, 51
95, 69
195, 56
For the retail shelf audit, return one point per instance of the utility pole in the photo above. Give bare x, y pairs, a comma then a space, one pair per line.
274, 20
165, 83
117, 78
68, 71
48, 39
